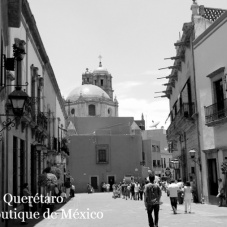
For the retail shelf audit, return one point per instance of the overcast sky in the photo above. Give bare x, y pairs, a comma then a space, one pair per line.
132, 36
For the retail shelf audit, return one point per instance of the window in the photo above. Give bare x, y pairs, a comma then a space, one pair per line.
72, 111
2, 76
158, 150
22, 166
101, 82
110, 112
217, 110
15, 168
87, 79
154, 163
192, 170
164, 163
95, 82
158, 163
102, 155
91, 110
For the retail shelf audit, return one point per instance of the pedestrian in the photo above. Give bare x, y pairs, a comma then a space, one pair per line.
187, 197
132, 190
141, 191
152, 195
180, 191
173, 189
26, 194
72, 191
136, 191
221, 194
63, 195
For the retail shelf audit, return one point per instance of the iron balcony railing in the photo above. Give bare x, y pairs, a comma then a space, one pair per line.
216, 111
42, 120
186, 111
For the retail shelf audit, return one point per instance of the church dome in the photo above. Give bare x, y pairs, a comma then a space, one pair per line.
87, 91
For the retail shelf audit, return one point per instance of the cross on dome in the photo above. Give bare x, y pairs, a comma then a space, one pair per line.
100, 60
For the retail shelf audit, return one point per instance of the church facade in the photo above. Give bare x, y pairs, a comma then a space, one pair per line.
103, 146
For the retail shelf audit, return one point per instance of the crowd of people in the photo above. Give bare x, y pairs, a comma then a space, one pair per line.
132, 190
151, 191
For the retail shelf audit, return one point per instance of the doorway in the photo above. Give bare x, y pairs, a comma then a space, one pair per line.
212, 176
94, 182
111, 181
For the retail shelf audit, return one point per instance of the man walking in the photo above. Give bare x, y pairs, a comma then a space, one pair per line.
173, 189
152, 195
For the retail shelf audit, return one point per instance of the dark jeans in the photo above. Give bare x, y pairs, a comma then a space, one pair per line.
141, 195
173, 201
150, 209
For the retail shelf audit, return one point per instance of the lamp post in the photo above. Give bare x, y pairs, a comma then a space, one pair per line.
18, 97
197, 160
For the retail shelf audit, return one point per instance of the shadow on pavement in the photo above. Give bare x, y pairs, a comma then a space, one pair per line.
33, 222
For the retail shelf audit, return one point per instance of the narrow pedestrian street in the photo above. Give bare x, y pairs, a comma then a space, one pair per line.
125, 213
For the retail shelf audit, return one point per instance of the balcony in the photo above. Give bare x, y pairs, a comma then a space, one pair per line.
41, 121
216, 114
182, 121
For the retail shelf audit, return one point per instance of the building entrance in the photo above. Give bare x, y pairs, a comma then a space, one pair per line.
94, 182
111, 181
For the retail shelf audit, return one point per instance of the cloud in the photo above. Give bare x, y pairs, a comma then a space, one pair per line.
157, 110
128, 84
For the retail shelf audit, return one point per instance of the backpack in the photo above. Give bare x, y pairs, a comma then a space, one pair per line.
153, 194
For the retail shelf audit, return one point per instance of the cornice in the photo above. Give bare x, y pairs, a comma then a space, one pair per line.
210, 30
30, 20
216, 72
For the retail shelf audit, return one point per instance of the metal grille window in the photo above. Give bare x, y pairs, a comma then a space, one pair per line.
102, 156
22, 166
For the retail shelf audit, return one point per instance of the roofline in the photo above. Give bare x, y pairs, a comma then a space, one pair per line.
206, 34
30, 20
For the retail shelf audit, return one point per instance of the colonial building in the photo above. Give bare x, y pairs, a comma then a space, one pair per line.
104, 150
161, 154
103, 146
210, 52
30, 134
185, 132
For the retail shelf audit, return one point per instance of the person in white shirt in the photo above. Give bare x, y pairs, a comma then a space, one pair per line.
136, 190
173, 188
187, 197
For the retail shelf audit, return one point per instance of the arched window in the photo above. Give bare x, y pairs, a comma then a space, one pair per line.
110, 112
72, 111
91, 110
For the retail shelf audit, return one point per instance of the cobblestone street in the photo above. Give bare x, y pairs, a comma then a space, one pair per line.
122, 213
